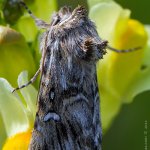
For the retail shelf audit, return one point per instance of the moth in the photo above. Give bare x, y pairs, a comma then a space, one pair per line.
68, 114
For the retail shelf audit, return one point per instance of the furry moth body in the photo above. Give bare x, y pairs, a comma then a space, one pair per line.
68, 101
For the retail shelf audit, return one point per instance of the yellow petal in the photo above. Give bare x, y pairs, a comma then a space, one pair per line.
105, 19
124, 67
30, 96
133, 35
18, 142
117, 71
142, 80
12, 110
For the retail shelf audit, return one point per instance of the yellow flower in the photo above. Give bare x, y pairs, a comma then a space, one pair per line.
17, 113
19, 141
118, 73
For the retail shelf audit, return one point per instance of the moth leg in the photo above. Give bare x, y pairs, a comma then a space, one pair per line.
124, 50
30, 82
40, 23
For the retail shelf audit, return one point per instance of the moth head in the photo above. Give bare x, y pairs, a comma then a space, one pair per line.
77, 35
66, 19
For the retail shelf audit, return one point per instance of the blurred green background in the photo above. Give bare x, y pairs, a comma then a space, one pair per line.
127, 130
140, 8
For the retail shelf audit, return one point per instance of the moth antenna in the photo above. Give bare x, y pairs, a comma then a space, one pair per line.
30, 82
40, 23
27, 9
124, 50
